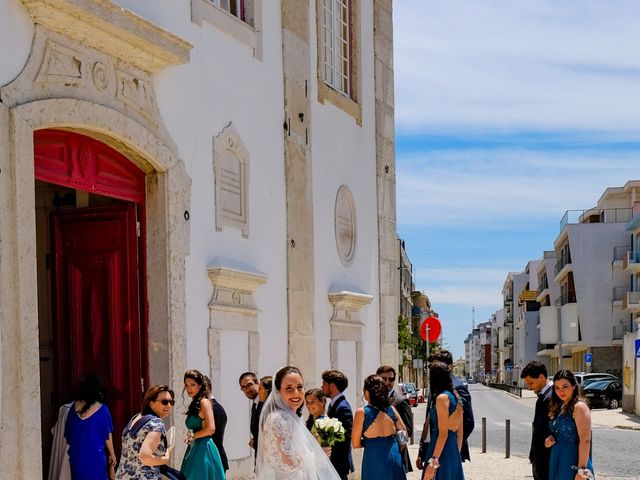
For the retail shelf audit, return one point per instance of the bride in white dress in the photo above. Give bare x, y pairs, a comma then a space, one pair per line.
287, 450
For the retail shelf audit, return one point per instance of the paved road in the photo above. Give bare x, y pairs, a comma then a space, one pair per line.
615, 451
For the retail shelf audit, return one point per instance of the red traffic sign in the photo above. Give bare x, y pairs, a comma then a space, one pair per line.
434, 326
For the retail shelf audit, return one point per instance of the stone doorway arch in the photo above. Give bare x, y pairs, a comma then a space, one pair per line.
89, 71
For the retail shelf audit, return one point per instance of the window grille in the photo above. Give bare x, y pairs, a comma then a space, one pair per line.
336, 45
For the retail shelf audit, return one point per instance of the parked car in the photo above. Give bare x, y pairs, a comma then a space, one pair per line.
410, 390
603, 393
584, 378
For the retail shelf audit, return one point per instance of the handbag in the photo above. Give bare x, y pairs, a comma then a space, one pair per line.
171, 473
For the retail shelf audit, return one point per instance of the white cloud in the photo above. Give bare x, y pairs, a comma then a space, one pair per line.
516, 64
472, 287
506, 188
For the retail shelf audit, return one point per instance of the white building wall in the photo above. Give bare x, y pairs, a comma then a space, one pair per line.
591, 257
224, 82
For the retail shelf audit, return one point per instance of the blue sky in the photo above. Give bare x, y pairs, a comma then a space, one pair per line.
508, 113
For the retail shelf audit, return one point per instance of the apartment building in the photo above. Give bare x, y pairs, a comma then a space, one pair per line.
628, 328
587, 310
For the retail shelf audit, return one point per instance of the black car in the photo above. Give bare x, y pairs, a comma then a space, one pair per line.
604, 393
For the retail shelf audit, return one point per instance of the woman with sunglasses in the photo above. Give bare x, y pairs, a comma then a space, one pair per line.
144, 443
202, 459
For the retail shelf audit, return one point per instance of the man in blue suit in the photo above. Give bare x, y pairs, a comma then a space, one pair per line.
334, 383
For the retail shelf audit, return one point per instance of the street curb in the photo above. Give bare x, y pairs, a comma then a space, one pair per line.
627, 427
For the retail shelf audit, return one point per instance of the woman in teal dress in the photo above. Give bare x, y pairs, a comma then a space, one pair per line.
202, 459
374, 428
570, 426
443, 454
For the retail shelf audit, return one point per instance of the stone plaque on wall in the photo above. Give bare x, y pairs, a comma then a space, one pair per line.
345, 225
230, 167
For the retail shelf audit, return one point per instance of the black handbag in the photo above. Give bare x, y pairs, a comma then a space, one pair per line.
171, 473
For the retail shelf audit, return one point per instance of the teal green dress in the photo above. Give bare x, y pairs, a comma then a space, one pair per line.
201, 460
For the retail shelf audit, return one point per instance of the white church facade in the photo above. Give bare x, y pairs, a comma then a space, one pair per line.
202, 184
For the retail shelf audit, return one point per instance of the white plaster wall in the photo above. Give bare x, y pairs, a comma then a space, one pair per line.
16, 32
591, 256
344, 153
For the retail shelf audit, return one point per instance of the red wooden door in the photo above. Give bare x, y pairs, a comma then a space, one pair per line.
96, 304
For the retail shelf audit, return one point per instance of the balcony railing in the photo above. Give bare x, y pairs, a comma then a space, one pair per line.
596, 215
631, 259
620, 330
620, 252
631, 301
560, 264
619, 293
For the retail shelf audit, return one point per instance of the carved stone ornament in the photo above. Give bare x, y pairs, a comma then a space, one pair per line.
347, 302
231, 181
345, 225
234, 283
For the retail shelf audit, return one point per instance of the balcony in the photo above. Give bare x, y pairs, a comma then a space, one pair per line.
596, 215
620, 330
631, 262
618, 295
508, 319
561, 269
631, 301
546, 349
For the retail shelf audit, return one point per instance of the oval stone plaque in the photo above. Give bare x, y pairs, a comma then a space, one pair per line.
345, 225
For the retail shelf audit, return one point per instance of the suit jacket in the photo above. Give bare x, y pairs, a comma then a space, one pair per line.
220, 419
401, 403
539, 455
341, 451
254, 424
468, 422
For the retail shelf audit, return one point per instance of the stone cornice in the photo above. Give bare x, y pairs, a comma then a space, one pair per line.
347, 303
107, 27
233, 286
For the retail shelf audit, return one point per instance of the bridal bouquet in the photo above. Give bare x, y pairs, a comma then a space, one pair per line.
328, 431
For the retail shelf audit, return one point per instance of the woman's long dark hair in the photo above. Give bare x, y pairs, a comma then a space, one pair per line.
555, 404
90, 390
378, 391
203, 392
439, 379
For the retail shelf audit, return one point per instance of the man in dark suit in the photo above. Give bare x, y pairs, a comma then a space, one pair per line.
220, 421
534, 375
249, 386
334, 383
401, 403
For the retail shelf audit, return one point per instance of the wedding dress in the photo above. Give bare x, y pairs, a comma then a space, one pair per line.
287, 450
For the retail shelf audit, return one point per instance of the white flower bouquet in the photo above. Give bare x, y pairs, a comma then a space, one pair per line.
328, 431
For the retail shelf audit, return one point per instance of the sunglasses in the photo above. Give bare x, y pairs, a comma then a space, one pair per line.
166, 402
389, 379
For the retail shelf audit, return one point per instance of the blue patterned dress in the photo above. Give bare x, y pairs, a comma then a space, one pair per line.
381, 459
564, 453
450, 460
131, 468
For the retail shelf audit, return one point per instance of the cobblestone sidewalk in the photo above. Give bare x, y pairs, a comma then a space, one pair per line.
488, 466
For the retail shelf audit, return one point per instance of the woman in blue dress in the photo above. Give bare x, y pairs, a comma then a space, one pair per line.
88, 432
570, 425
374, 428
443, 454
202, 459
